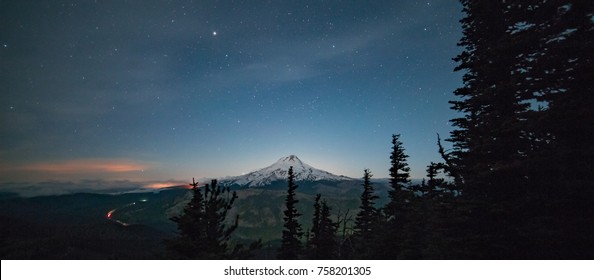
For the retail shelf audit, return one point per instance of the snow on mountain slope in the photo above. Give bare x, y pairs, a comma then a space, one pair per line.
279, 171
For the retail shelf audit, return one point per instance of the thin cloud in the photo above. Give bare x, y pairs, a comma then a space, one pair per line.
74, 169
57, 187
84, 166
297, 59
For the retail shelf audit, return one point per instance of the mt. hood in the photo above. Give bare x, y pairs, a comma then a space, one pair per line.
279, 171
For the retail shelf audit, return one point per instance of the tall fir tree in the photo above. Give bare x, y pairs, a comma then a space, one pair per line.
323, 241
315, 223
327, 235
439, 217
203, 231
399, 179
366, 221
489, 135
434, 185
399, 170
522, 143
556, 77
291, 237
490, 141
395, 213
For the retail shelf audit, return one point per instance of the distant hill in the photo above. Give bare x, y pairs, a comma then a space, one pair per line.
76, 227
133, 225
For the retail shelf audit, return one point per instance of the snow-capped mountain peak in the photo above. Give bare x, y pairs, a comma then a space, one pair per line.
285, 162
279, 171
291, 158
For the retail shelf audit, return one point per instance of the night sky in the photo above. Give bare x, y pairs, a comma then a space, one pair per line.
158, 90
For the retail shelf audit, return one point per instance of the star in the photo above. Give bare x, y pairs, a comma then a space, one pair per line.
318, 70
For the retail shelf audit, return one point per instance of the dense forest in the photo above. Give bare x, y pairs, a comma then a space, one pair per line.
517, 182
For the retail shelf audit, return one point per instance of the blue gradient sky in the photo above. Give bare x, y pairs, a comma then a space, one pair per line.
157, 90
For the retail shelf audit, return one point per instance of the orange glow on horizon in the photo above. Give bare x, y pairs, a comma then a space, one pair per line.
85, 166
161, 185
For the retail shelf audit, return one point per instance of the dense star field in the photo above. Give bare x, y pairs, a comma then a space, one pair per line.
158, 90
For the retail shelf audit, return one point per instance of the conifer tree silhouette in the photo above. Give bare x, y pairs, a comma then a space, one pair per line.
291, 237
